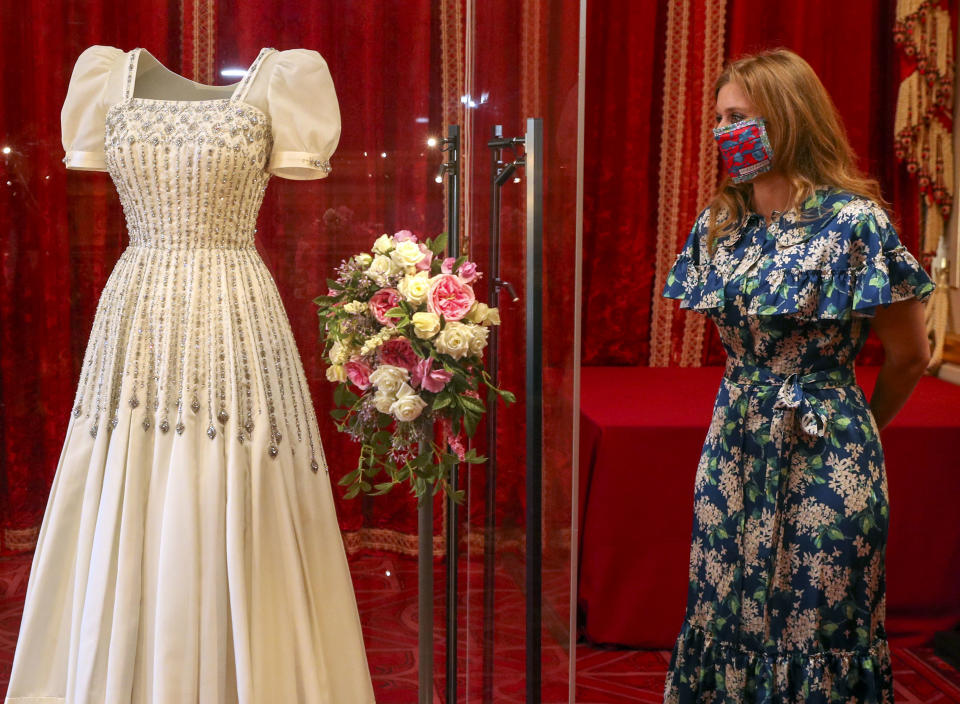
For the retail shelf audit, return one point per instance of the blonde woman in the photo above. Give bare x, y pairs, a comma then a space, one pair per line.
794, 260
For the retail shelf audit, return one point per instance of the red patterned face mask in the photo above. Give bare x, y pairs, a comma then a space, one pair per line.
744, 148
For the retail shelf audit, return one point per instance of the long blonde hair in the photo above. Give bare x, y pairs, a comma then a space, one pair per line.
810, 146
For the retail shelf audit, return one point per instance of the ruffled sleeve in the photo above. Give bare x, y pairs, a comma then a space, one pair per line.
82, 118
882, 270
304, 115
692, 278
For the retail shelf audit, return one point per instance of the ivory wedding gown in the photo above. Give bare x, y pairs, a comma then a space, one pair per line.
190, 550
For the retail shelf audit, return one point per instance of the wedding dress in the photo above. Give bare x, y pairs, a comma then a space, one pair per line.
190, 551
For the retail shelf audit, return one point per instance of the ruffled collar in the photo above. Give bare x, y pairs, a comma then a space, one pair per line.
793, 227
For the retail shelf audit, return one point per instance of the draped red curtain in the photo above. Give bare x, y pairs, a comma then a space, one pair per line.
63, 230
850, 46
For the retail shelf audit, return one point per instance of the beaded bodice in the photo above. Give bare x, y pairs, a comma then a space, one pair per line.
190, 326
189, 173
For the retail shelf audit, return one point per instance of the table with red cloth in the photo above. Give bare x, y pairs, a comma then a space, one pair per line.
642, 429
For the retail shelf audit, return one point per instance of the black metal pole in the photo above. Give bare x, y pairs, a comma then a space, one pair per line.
534, 401
425, 597
453, 243
493, 367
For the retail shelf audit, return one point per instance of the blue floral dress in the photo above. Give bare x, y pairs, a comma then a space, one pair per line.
786, 599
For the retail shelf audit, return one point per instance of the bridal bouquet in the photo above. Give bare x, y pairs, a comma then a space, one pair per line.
405, 337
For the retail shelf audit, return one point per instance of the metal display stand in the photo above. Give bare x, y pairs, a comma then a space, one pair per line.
532, 161
450, 145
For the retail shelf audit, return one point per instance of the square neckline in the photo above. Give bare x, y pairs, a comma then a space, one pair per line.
233, 93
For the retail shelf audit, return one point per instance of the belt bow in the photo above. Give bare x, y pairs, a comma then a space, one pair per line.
810, 410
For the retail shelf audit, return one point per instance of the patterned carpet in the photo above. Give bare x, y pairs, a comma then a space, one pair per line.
386, 591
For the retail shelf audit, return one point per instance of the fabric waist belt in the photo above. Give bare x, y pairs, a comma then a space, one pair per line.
796, 390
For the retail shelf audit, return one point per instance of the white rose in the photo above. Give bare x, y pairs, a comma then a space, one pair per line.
425, 325
454, 340
478, 339
408, 405
381, 268
363, 259
415, 288
383, 244
492, 317
336, 372
383, 401
388, 378
406, 254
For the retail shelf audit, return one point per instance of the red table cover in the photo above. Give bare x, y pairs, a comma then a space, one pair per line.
642, 429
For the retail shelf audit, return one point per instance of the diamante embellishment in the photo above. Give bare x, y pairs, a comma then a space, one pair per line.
76, 412
211, 431
164, 426
134, 402
195, 406
314, 466
93, 432
223, 416
273, 451
146, 424
180, 428
113, 422
248, 426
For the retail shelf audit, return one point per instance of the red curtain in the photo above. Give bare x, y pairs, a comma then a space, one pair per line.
850, 46
63, 230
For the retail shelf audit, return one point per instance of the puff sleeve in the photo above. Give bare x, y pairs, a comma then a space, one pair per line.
84, 110
692, 278
882, 269
304, 115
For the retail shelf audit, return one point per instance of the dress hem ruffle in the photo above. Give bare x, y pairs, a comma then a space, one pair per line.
741, 674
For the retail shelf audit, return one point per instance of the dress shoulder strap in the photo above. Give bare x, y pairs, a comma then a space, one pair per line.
241, 92
128, 82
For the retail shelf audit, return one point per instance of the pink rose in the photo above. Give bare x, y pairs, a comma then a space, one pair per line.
382, 301
404, 235
424, 264
468, 272
454, 441
450, 297
397, 352
425, 376
359, 374
447, 266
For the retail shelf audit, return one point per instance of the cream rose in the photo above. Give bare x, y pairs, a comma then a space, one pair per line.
415, 288
408, 405
363, 259
336, 372
383, 244
338, 353
478, 312
425, 325
388, 378
406, 254
382, 402
381, 268
492, 317
478, 339
454, 340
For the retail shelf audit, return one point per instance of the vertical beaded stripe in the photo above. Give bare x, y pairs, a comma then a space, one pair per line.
190, 324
